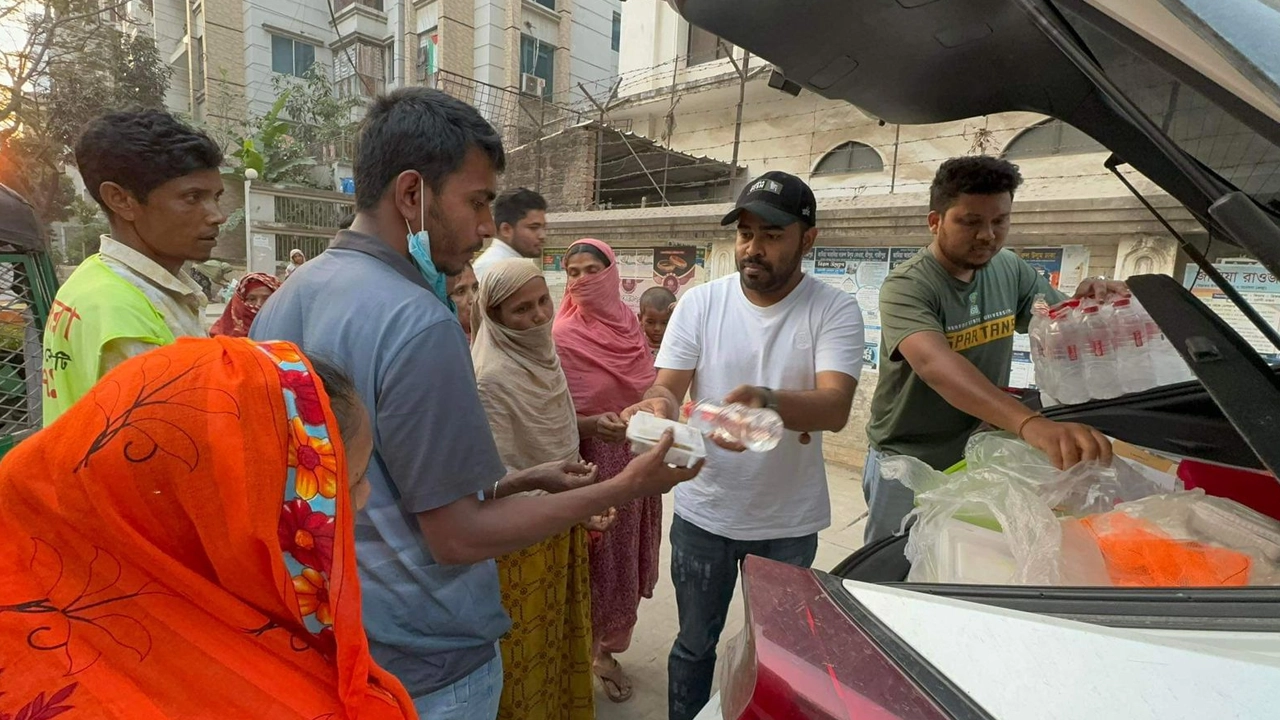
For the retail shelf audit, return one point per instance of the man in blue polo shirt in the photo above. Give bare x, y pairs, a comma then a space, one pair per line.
375, 303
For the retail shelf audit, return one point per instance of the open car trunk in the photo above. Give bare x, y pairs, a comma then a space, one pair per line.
1118, 70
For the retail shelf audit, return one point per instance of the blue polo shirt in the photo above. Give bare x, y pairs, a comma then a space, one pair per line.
365, 308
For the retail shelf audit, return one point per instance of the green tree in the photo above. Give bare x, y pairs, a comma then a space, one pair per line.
321, 118
271, 151
81, 60
307, 125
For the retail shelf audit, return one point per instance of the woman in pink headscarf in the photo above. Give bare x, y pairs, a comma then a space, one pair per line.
607, 363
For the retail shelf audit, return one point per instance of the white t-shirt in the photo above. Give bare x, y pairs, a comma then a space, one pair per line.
497, 252
717, 332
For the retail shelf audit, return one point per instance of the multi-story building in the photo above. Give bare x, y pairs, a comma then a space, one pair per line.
684, 90
226, 53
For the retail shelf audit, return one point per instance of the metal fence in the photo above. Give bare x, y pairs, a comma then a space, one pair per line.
311, 212
21, 321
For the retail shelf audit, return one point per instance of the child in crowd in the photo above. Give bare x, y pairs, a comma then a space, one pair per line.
656, 306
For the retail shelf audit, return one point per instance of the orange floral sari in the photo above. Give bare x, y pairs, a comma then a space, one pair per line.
180, 545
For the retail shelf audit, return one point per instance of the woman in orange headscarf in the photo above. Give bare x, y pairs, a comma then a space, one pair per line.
180, 544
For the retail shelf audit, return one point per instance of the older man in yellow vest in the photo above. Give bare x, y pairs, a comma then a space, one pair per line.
159, 183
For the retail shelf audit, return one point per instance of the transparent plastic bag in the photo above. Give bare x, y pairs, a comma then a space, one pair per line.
1009, 486
1194, 517
1027, 523
1084, 489
1138, 553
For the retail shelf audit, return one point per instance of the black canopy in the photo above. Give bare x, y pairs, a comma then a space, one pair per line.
19, 226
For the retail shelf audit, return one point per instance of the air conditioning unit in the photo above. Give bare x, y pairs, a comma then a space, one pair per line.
532, 85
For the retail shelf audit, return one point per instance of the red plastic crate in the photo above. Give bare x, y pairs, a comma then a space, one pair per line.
1251, 488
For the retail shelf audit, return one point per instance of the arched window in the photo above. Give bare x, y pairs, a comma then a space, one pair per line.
850, 157
1049, 138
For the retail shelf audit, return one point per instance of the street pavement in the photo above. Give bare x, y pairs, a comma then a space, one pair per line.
646, 661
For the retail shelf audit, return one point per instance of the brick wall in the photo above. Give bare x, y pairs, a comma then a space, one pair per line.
1099, 224
567, 159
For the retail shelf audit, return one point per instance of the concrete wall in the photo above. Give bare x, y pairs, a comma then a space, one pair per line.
792, 134
307, 21
1101, 224
490, 49
594, 61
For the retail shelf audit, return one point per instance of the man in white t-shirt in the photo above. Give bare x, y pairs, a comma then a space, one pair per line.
521, 218
769, 336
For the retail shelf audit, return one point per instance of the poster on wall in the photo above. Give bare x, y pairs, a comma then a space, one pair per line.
1065, 267
860, 271
675, 267
1256, 285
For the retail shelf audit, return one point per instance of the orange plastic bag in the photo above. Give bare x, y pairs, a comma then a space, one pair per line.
1138, 554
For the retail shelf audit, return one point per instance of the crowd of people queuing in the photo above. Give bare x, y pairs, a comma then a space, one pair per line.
398, 483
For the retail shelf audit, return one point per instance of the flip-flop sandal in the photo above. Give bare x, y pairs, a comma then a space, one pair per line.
616, 684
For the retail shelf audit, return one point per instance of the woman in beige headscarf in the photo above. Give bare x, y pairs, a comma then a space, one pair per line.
546, 588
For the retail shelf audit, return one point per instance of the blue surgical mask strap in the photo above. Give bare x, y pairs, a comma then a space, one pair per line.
420, 252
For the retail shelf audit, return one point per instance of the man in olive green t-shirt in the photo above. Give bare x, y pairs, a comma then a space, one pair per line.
947, 319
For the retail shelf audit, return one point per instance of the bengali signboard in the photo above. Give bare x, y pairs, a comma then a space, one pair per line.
1256, 285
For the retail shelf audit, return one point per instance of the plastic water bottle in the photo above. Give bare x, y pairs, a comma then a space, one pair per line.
1063, 340
1037, 334
1101, 371
1129, 335
758, 429
1168, 365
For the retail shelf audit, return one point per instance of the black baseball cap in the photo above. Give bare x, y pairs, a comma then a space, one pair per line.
780, 198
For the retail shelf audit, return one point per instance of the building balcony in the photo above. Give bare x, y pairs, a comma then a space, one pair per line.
360, 85
340, 5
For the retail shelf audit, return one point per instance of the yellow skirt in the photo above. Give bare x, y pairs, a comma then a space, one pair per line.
546, 657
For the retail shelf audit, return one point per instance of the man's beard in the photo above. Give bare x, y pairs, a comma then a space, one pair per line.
443, 237
773, 278
962, 261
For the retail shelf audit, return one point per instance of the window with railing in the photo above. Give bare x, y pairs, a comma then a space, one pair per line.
1052, 137
849, 157
367, 77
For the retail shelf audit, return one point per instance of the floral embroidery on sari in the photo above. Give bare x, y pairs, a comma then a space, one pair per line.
308, 513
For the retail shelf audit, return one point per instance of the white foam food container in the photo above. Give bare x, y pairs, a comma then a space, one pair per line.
645, 432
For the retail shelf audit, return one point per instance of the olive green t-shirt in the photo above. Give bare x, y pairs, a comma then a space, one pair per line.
978, 319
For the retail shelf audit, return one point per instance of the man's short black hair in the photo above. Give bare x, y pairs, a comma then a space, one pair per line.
417, 128
140, 151
512, 205
972, 175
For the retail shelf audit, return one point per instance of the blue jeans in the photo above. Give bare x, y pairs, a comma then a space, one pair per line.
704, 569
474, 697
888, 501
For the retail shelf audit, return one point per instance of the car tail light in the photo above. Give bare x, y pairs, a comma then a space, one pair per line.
801, 656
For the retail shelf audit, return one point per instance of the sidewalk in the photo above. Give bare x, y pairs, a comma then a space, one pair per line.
646, 661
